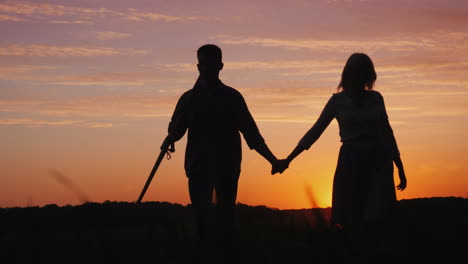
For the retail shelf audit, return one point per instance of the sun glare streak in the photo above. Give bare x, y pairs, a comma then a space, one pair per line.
320, 220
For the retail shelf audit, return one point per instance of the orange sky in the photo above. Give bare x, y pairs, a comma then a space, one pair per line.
88, 87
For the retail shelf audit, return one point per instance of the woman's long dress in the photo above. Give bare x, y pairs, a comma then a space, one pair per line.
363, 186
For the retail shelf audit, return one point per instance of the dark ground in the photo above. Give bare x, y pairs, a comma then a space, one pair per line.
430, 230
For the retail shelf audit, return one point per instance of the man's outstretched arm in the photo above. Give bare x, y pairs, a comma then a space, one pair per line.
263, 150
252, 136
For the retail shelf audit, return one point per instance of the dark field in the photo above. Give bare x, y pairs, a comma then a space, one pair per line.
429, 230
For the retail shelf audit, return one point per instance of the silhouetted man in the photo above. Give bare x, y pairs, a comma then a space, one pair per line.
214, 114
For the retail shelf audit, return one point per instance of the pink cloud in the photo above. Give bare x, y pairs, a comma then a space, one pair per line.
31, 8
82, 22
66, 51
10, 18
108, 35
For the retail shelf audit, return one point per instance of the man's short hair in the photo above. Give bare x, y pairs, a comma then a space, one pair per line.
211, 51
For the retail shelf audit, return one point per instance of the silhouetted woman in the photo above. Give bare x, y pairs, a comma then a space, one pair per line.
363, 186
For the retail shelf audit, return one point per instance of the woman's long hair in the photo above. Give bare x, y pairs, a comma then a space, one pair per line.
358, 75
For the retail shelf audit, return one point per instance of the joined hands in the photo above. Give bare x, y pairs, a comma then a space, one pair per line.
279, 166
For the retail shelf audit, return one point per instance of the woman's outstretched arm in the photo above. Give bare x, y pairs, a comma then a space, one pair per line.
296, 151
327, 115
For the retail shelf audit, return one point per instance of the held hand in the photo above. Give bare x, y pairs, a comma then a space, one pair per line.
274, 167
402, 184
283, 165
279, 166
167, 142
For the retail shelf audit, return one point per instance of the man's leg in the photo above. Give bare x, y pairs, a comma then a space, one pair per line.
201, 192
226, 194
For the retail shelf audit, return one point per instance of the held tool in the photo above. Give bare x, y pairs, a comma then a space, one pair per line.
155, 167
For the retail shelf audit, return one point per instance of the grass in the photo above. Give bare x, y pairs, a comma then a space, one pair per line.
430, 230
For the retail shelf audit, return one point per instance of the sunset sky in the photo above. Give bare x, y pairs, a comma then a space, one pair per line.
87, 89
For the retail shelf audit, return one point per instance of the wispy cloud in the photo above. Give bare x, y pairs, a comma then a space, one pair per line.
330, 65
440, 41
83, 15
66, 76
33, 8
25, 72
100, 83
97, 125
151, 16
8, 70
423, 71
37, 122
66, 51
10, 18
328, 45
107, 35
27, 121
82, 22
84, 111
119, 78
318, 65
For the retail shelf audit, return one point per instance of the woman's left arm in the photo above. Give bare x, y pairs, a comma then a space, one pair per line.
396, 153
401, 173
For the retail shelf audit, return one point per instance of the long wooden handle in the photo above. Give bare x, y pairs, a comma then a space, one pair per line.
153, 171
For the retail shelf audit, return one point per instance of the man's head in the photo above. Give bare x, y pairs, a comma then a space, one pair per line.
209, 61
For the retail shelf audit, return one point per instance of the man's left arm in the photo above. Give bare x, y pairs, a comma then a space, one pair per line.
251, 133
178, 125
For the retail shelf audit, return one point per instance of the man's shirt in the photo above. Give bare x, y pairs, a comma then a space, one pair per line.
213, 118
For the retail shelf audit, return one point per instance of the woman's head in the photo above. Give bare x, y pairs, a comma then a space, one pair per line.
358, 74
